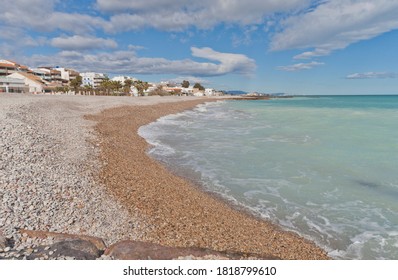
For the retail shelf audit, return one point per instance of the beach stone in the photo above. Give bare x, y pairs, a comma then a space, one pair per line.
137, 250
76, 249
3, 241
79, 249
40, 234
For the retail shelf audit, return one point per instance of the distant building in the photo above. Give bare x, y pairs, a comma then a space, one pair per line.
92, 79
66, 74
50, 74
33, 83
8, 67
122, 79
189, 90
12, 85
43, 73
210, 92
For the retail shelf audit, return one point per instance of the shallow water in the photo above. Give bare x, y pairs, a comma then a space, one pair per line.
323, 167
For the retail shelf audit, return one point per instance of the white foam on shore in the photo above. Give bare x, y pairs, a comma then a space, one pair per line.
271, 160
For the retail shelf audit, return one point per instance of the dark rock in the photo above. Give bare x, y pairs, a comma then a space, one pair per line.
3, 241
78, 249
136, 250
98, 242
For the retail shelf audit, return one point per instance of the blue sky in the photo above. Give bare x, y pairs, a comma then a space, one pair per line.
292, 46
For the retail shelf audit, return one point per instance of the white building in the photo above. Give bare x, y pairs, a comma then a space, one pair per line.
67, 74
122, 79
12, 85
188, 91
8, 67
92, 79
34, 83
210, 92
43, 73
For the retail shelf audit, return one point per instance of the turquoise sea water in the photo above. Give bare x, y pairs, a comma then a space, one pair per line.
324, 167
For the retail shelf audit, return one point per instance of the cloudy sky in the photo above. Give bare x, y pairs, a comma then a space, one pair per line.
292, 46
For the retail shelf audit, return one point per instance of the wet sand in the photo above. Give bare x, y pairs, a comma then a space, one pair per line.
173, 210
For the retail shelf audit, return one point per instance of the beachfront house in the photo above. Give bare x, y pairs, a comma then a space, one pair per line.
67, 75
92, 79
122, 79
210, 92
12, 85
33, 83
8, 67
43, 73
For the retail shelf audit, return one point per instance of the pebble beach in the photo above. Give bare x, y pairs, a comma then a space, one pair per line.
76, 165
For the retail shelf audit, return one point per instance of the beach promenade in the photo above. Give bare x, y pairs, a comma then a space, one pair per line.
75, 164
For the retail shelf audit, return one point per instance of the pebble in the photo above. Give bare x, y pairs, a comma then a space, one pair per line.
49, 160
49, 166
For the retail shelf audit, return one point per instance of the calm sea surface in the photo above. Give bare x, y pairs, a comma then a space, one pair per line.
324, 167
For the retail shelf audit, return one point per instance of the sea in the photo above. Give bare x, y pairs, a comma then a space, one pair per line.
325, 167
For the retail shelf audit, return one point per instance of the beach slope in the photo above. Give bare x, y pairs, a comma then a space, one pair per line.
177, 213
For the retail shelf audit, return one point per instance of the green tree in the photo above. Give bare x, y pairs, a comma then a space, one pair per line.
141, 86
59, 89
116, 86
88, 89
105, 86
185, 84
127, 86
76, 83
199, 86
65, 89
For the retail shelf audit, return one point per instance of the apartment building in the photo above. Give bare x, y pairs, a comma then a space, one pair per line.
12, 85
8, 67
92, 79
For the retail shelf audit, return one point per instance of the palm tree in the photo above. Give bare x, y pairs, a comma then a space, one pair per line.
141, 86
115, 87
127, 86
105, 86
76, 83
88, 89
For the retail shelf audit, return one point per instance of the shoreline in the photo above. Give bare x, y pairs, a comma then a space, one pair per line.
66, 174
176, 212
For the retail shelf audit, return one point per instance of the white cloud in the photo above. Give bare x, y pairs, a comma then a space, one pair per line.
229, 62
17, 36
178, 15
245, 38
127, 62
139, 5
335, 25
300, 66
78, 42
40, 15
315, 53
373, 75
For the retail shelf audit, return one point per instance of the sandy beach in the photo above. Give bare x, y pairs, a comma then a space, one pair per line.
76, 164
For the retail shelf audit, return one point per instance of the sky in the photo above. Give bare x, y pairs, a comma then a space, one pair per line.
291, 46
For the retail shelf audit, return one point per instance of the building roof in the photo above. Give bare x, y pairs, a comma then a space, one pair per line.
11, 80
52, 71
8, 65
8, 62
31, 77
